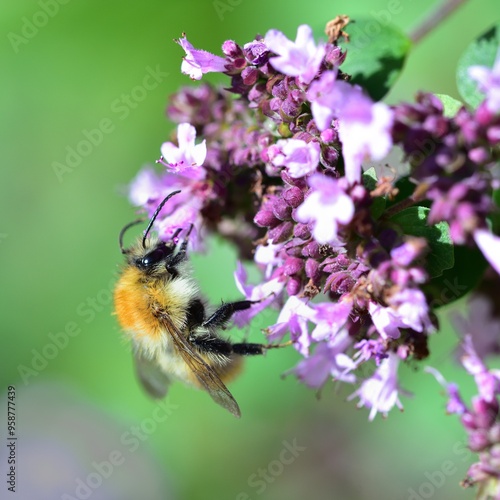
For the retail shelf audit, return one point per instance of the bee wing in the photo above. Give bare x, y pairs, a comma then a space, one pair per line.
205, 374
152, 378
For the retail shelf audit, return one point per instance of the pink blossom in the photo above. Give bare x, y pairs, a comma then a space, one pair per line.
488, 80
381, 391
326, 207
300, 158
265, 293
328, 359
149, 188
407, 309
301, 58
364, 129
145, 187
385, 320
294, 317
187, 158
455, 403
412, 308
324, 101
198, 62
487, 381
481, 323
489, 244
364, 126
182, 214
266, 256
330, 318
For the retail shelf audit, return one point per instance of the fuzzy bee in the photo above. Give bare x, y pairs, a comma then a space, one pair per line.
160, 308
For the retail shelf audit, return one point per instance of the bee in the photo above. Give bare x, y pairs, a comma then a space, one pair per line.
160, 308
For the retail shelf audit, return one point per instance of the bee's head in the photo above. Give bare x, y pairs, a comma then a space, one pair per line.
155, 259
153, 256
149, 254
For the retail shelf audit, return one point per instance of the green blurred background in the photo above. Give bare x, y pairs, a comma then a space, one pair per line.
59, 258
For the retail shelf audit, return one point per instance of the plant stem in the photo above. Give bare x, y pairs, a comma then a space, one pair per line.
418, 195
434, 19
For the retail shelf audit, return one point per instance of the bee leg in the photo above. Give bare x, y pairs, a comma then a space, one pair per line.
216, 345
181, 253
223, 314
183, 247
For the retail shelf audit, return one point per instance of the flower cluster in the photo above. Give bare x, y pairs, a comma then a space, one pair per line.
277, 164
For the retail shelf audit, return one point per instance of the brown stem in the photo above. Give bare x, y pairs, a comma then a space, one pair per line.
418, 195
435, 18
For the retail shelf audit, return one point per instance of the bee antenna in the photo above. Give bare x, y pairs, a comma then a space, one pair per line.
157, 211
124, 230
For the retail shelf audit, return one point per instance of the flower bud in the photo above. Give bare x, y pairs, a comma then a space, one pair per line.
249, 75
232, 49
312, 270
281, 209
293, 196
293, 265
301, 231
265, 218
281, 233
293, 285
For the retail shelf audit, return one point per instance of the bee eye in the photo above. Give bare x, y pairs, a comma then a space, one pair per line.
153, 257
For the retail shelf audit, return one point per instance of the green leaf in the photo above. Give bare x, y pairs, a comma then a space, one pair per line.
451, 106
370, 179
370, 182
454, 283
375, 55
481, 52
494, 217
413, 221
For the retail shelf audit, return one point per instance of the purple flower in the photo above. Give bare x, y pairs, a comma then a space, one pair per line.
301, 158
301, 58
370, 349
265, 293
181, 215
256, 51
489, 244
487, 381
407, 308
481, 323
324, 101
294, 317
488, 80
364, 128
385, 320
408, 252
455, 403
381, 391
198, 62
187, 158
267, 257
328, 359
330, 318
145, 187
412, 309
326, 206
